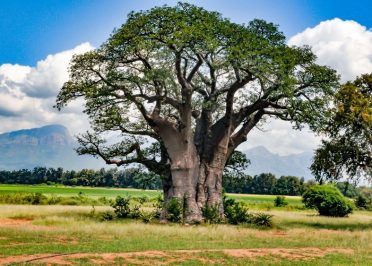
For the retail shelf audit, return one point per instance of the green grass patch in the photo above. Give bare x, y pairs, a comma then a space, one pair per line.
259, 202
68, 229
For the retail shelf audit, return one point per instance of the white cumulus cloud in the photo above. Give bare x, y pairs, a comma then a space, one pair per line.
344, 45
27, 94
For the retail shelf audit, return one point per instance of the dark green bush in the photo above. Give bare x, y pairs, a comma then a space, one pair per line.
35, 198
107, 216
261, 219
236, 212
158, 205
135, 212
280, 201
328, 200
211, 214
121, 207
361, 202
142, 200
174, 210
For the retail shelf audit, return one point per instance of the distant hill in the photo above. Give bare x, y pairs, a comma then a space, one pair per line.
53, 146
50, 146
263, 161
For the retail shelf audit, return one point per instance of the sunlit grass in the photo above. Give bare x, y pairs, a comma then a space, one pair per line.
65, 229
91, 194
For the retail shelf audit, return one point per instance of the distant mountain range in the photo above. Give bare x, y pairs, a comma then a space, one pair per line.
53, 146
50, 146
263, 161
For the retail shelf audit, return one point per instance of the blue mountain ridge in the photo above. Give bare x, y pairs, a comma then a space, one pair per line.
49, 146
53, 146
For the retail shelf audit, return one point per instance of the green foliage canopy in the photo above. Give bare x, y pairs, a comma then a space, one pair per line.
168, 60
348, 151
328, 200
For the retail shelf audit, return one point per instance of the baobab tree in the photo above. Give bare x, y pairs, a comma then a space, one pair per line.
184, 87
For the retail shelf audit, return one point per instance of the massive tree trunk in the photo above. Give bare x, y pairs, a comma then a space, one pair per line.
195, 188
195, 177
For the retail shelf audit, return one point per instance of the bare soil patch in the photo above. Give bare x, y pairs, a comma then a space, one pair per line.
22, 222
286, 253
166, 257
14, 222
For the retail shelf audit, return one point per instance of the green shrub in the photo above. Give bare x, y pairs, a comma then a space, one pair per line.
35, 198
122, 207
135, 212
142, 199
105, 201
211, 214
158, 206
146, 216
236, 212
328, 200
53, 200
174, 210
261, 219
361, 202
107, 216
280, 201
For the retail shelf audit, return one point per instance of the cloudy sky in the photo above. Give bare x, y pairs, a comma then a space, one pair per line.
37, 41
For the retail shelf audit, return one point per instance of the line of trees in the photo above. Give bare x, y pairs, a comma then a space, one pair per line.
265, 183
131, 177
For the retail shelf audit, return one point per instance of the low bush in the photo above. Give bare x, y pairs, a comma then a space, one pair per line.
211, 214
328, 200
158, 206
107, 216
35, 198
142, 200
121, 207
261, 219
24, 198
361, 202
235, 212
105, 201
146, 216
280, 201
174, 210
53, 200
135, 212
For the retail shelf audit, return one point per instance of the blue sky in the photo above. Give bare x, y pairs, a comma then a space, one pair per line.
30, 30
39, 37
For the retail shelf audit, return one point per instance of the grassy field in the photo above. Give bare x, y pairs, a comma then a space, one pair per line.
55, 234
64, 191
298, 238
254, 201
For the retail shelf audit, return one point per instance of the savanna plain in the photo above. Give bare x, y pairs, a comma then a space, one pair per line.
74, 233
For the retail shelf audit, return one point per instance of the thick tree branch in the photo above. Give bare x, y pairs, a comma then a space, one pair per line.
241, 135
195, 68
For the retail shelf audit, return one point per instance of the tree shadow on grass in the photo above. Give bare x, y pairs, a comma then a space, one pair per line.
342, 225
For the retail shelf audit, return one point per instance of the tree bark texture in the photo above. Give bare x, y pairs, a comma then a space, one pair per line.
195, 179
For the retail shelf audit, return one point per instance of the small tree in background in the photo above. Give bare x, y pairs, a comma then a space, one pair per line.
328, 200
280, 201
348, 151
